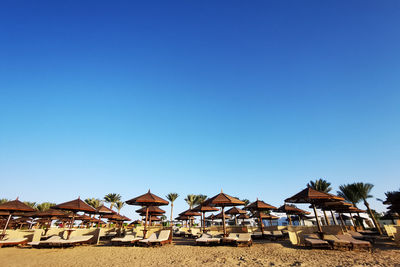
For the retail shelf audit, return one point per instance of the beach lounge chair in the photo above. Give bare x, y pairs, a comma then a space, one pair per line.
13, 242
359, 236
230, 239
313, 241
76, 240
244, 240
162, 238
145, 241
207, 239
257, 234
127, 239
275, 235
356, 243
337, 243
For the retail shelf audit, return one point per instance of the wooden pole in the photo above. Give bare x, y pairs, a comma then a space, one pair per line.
204, 221
334, 218
316, 218
261, 222
223, 220
290, 219
5, 227
145, 222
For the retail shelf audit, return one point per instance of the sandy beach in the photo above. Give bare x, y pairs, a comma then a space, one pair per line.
181, 254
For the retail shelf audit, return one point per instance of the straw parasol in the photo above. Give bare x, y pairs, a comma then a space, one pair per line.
147, 200
152, 210
223, 200
309, 195
12, 207
74, 206
290, 210
102, 210
203, 209
190, 213
235, 211
243, 217
259, 206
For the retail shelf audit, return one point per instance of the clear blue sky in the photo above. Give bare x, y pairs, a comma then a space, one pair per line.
194, 96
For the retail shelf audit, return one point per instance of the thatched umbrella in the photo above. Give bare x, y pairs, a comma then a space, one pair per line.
190, 213
203, 209
12, 207
243, 217
291, 210
223, 200
263, 216
152, 210
259, 206
147, 200
74, 206
334, 205
103, 210
235, 211
309, 195
184, 218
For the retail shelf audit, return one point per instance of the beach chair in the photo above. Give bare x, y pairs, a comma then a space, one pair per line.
162, 238
257, 235
145, 241
359, 236
76, 240
337, 243
127, 239
207, 239
313, 241
356, 243
13, 242
275, 235
230, 239
244, 240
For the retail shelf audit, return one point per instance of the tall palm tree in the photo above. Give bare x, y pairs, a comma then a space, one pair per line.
191, 200
200, 199
172, 197
348, 192
94, 202
363, 190
45, 206
31, 204
4, 200
322, 186
112, 198
119, 205
246, 201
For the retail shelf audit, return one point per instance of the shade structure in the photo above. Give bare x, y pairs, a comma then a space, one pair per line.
309, 195
190, 212
102, 210
235, 211
152, 210
223, 200
75, 206
11, 207
203, 209
258, 206
219, 216
154, 218
211, 217
147, 200
243, 216
291, 210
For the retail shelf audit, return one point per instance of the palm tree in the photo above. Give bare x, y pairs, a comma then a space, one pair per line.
322, 186
172, 197
119, 205
94, 202
45, 206
191, 200
200, 199
31, 204
112, 198
246, 201
349, 193
4, 200
363, 190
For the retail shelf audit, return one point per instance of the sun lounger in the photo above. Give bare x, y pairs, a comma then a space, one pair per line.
337, 243
356, 243
257, 234
13, 242
145, 241
230, 239
244, 239
207, 239
127, 239
359, 236
314, 241
276, 235
162, 238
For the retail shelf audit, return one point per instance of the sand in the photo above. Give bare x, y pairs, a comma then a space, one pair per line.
261, 254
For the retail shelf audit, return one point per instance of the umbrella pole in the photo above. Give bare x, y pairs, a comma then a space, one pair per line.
354, 223
5, 227
223, 221
261, 222
316, 217
72, 223
145, 222
334, 219
290, 219
341, 219
98, 222
326, 218
204, 221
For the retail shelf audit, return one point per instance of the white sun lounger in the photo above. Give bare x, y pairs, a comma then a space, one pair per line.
13, 242
207, 239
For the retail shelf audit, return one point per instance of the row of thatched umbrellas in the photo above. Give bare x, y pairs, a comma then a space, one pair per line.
150, 203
